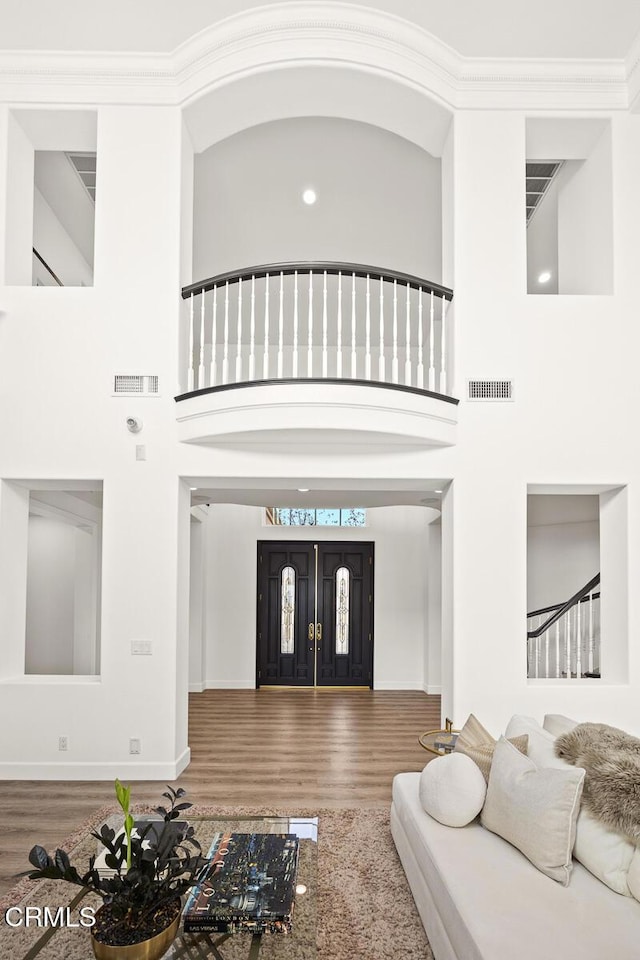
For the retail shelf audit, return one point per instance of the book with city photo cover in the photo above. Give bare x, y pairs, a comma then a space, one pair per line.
248, 885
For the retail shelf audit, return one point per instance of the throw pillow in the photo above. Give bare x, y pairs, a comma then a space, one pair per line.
452, 790
556, 724
534, 809
633, 877
476, 742
540, 747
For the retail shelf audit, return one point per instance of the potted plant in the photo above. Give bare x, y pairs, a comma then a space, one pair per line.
147, 871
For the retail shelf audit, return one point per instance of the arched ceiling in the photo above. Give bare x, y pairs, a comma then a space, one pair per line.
574, 29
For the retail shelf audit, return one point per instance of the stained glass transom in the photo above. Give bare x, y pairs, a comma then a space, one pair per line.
342, 610
288, 609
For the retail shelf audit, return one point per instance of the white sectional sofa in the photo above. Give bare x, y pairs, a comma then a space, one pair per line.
480, 899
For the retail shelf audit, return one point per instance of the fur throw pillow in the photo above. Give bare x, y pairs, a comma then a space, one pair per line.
611, 759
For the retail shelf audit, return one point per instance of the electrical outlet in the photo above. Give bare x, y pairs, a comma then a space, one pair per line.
63, 743
141, 648
134, 745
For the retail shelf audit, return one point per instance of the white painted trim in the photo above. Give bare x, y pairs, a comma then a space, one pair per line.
229, 685
281, 35
197, 687
433, 689
123, 769
397, 685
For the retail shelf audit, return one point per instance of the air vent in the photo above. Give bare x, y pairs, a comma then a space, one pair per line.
135, 385
490, 390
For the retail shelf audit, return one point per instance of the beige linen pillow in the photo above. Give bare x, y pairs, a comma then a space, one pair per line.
534, 809
476, 742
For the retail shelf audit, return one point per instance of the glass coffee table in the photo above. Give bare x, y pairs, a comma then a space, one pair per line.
69, 943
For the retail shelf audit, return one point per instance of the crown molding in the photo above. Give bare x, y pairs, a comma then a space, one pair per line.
319, 34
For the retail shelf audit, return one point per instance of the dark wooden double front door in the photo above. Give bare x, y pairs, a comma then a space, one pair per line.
315, 614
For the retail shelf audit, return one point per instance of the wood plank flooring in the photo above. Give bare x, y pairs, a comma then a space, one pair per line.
287, 748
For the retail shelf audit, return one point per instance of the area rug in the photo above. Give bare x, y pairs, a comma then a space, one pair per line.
365, 910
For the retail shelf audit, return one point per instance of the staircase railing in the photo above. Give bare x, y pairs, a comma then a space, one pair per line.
563, 640
329, 321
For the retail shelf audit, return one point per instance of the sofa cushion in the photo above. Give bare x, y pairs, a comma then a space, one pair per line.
478, 744
541, 742
556, 724
452, 789
534, 808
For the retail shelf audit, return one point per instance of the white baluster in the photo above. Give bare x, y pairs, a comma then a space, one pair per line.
537, 651
407, 341
394, 361
201, 379
214, 337
443, 350
558, 670
239, 334
432, 340
325, 321
381, 360
367, 334
281, 329
339, 331
294, 370
310, 328
546, 653
353, 327
225, 355
591, 638
190, 370
578, 640
420, 368
567, 644
265, 355
252, 334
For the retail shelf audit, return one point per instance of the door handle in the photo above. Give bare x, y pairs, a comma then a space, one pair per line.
318, 632
310, 632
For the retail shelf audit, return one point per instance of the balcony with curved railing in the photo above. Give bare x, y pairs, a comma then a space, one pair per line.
304, 339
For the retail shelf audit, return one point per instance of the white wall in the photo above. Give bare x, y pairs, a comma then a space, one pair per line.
379, 199
563, 547
56, 247
400, 535
50, 596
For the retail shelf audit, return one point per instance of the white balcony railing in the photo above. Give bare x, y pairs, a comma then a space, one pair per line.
327, 321
563, 640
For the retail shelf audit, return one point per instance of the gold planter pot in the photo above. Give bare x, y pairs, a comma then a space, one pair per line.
151, 949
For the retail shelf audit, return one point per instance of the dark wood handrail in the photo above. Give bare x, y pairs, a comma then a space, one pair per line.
319, 267
560, 612
47, 267
556, 606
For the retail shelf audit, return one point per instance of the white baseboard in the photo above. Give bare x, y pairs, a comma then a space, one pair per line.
123, 769
197, 687
229, 685
432, 688
396, 685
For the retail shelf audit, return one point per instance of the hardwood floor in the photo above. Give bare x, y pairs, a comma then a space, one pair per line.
287, 748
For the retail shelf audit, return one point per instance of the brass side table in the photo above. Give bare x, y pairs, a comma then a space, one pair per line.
440, 742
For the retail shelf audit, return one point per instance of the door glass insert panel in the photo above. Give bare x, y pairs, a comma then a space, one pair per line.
288, 607
342, 611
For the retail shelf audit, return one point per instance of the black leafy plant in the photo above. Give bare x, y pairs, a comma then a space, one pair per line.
150, 868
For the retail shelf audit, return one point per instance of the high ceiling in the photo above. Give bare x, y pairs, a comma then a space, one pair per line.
600, 29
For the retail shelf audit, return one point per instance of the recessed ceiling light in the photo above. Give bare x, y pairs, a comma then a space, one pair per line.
193, 488
303, 489
309, 196
301, 888
437, 491
544, 277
